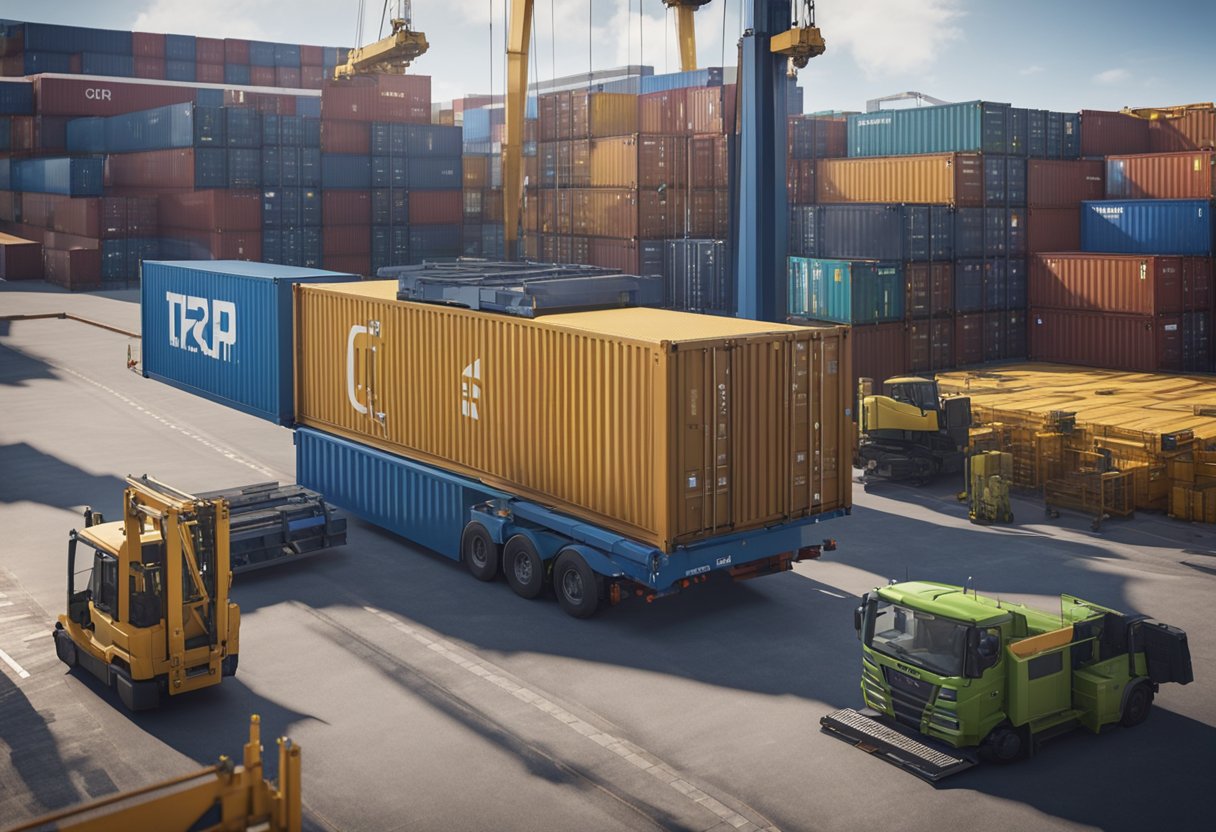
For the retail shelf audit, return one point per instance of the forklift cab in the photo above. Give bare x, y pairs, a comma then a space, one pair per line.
913, 390
94, 588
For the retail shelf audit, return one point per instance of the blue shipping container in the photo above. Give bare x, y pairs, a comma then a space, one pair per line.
57, 175
846, 291
243, 126
223, 330
237, 74
6, 174
86, 135
286, 54
967, 127
433, 174
430, 242
310, 167
1147, 226
102, 63
885, 232
180, 71
272, 166
261, 53
309, 106
708, 77
180, 48
16, 98
310, 207
39, 62
52, 38
390, 206
244, 167
161, 128
312, 132
345, 170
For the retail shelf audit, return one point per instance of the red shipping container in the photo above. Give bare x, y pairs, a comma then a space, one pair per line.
224, 245
969, 339
21, 133
156, 170
1107, 134
930, 345
13, 66
808, 137
436, 208
212, 210
930, 289
287, 76
630, 256
346, 207
800, 181
312, 55
393, 98
261, 76
70, 242
708, 215
664, 112
20, 259
1187, 175
660, 214
555, 248
346, 136
312, 77
711, 109
147, 45
1064, 183
65, 96
75, 270
39, 209
1122, 283
50, 133
880, 351
1135, 343
1192, 130
209, 73
150, 68
209, 51
360, 264
1053, 229
709, 164
236, 51
142, 216
346, 239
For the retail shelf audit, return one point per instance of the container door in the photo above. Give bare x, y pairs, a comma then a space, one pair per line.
703, 396
364, 375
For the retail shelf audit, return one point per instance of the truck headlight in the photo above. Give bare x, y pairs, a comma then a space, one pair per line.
948, 695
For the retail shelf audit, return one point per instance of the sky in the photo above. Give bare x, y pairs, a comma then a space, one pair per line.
1048, 54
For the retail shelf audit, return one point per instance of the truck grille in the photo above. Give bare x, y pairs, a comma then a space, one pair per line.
909, 696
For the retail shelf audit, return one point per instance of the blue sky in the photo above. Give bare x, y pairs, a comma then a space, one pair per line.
1061, 55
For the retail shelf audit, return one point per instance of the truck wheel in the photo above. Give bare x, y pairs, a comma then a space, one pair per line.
523, 567
576, 585
228, 664
479, 551
1004, 745
1137, 705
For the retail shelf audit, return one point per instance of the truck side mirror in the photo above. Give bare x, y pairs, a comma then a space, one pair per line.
857, 620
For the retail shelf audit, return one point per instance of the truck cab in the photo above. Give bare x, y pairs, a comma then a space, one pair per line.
970, 671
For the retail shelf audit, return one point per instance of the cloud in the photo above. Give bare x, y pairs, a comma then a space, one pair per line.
1112, 76
1033, 69
891, 37
215, 18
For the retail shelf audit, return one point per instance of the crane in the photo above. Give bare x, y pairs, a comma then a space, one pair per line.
875, 104
390, 55
776, 37
686, 30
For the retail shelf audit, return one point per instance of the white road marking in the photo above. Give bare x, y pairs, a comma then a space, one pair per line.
36, 634
624, 749
18, 617
833, 594
6, 603
18, 669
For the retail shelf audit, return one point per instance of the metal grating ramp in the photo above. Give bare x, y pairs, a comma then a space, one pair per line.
896, 747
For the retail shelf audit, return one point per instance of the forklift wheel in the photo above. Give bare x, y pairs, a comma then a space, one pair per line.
228, 664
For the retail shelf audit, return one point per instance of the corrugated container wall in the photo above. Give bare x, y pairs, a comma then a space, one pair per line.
223, 330
846, 291
940, 179
1109, 134
1125, 283
1148, 226
1063, 183
1135, 343
663, 426
1190, 175
973, 126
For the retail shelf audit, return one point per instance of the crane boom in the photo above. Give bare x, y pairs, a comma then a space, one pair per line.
387, 56
686, 30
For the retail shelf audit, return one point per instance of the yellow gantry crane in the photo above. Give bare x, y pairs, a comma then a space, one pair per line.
686, 30
390, 55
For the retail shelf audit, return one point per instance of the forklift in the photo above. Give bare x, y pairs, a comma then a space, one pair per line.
154, 617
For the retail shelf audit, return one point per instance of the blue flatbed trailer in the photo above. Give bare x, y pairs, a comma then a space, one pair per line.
466, 520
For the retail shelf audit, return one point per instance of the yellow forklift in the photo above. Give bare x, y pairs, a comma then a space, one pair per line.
154, 616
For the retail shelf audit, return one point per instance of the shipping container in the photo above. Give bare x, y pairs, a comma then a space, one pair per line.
642, 491
880, 352
642, 257
883, 232
20, 259
1156, 226
435, 207
941, 179
1191, 129
67, 176
1188, 175
223, 330
596, 115
817, 138
1133, 343
970, 276
378, 98
77, 270
706, 77
100, 96
846, 291
711, 110
804, 231
699, 277
994, 336
930, 345
664, 113
16, 98
212, 210
1111, 134
1063, 183
1123, 283
973, 126
345, 171
1053, 229
930, 289
968, 338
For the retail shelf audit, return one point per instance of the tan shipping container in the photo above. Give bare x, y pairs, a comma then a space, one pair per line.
639, 162
936, 179
597, 115
663, 426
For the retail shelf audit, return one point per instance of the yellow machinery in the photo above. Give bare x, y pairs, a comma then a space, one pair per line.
910, 432
224, 796
686, 30
802, 41
154, 616
989, 474
390, 55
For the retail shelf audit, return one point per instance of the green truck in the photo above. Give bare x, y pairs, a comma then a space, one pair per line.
950, 677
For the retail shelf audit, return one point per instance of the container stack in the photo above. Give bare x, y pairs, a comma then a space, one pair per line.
1132, 289
482, 173
36, 48
291, 190
919, 236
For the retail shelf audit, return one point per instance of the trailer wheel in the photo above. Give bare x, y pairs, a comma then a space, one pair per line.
1137, 705
577, 587
523, 567
479, 551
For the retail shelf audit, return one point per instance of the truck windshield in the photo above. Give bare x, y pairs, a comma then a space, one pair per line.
919, 638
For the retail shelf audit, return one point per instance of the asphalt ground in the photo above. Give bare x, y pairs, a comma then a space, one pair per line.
424, 699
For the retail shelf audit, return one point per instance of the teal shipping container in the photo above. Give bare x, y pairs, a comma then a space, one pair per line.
967, 127
846, 291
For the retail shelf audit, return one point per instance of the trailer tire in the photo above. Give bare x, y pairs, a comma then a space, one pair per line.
523, 568
479, 551
1137, 705
576, 586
